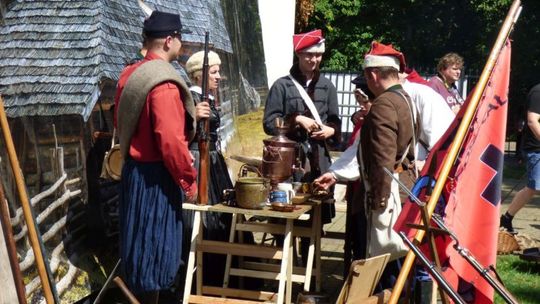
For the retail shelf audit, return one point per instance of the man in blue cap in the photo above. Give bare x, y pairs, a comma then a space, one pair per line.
155, 117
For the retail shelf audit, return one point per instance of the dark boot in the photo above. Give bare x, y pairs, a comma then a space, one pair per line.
506, 222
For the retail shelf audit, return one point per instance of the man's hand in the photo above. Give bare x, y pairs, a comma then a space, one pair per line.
202, 110
191, 195
324, 133
357, 117
307, 123
325, 181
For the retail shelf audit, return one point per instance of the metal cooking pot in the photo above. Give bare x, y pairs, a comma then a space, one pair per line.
252, 192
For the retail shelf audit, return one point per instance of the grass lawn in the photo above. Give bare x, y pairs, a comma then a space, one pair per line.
520, 277
247, 141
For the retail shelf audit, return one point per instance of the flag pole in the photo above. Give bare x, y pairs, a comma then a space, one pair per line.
450, 158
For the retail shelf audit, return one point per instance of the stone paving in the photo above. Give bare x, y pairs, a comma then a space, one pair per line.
332, 254
527, 220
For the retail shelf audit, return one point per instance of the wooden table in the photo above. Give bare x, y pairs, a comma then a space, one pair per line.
283, 272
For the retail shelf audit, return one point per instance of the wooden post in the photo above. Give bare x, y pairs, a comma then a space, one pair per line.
27, 211
11, 248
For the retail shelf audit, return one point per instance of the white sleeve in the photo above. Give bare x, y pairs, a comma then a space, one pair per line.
435, 115
346, 167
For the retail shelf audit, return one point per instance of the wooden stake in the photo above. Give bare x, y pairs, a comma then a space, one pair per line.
27, 211
11, 248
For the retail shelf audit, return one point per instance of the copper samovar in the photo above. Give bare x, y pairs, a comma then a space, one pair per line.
279, 155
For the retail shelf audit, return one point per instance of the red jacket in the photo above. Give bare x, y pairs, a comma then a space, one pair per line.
160, 134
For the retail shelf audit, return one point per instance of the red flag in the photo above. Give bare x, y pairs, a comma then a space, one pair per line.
473, 189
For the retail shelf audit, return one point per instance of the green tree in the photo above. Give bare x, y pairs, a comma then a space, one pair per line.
427, 29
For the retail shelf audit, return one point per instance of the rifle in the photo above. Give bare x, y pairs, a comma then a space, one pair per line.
434, 270
204, 136
495, 282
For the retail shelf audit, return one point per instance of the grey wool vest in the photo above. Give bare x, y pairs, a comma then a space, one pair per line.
134, 94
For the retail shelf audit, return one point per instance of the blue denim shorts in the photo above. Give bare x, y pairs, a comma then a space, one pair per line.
533, 170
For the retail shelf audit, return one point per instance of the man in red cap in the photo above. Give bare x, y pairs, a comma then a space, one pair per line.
308, 103
155, 116
386, 141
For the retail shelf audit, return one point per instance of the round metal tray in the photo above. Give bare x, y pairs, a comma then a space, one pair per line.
276, 206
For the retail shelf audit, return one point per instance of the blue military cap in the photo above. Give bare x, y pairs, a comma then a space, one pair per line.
161, 24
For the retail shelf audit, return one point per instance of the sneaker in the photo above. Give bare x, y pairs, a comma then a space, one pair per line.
506, 223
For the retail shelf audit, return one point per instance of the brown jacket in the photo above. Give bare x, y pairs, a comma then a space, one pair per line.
385, 136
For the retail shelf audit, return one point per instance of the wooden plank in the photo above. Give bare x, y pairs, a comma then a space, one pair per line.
266, 211
240, 293
286, 265
362, 279
297, 271
228, 261
214, 300
273, 229
190, 268
257, 251
267, 275
379, 298
317, 268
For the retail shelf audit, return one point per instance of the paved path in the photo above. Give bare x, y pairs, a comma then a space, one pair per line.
527, 220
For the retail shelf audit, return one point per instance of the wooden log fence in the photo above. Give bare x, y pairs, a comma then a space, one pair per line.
48, 202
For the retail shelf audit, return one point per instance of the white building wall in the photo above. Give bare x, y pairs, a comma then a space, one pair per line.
277, 20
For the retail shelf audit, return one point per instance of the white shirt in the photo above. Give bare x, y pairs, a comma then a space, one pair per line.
435, 118
198, 90
435, 115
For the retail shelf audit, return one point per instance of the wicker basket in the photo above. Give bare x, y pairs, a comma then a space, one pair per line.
506, 243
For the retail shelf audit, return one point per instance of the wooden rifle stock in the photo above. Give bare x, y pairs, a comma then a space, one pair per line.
204, 136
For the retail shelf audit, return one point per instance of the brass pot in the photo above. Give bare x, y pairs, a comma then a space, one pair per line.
252, 192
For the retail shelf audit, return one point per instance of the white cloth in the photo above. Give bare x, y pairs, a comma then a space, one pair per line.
346, 166
435, 118
371, 61
307, 100
382, 237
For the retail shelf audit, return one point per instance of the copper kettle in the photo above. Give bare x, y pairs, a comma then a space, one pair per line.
279, 155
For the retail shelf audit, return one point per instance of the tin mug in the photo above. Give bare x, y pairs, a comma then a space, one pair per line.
288, 188
279, 196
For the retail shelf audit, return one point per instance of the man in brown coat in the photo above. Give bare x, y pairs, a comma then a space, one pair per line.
386, 141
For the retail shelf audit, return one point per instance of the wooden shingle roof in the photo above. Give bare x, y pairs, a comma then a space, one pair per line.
54, 54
